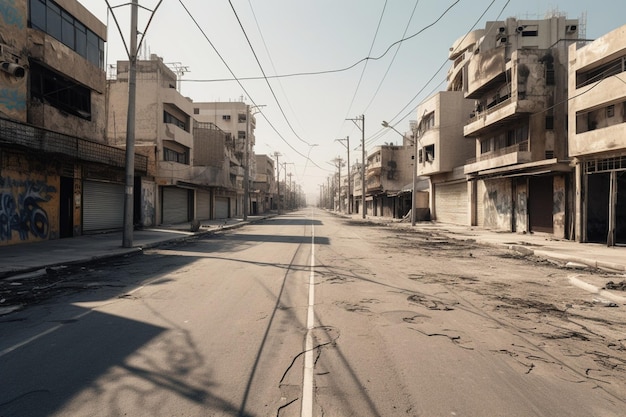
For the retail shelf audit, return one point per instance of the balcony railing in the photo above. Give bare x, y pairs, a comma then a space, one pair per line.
478, 114
31, 137
518, 147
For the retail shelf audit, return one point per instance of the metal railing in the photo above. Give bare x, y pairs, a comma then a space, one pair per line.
31, 137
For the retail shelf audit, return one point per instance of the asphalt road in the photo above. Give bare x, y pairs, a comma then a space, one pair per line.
308, 314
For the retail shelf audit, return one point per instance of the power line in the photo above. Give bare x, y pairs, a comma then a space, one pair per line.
245, 34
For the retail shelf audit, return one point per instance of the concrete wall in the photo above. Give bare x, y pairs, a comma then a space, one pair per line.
498, 204
13, 35
29, 200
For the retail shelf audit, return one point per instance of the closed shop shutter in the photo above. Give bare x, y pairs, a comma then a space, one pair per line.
481, 196
451, 204
203, 205
221, 207
175, 205
103, 206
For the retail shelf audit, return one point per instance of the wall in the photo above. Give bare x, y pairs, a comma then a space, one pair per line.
521, 206
29, 201
559, 206
148, 203
498, 204
13, 29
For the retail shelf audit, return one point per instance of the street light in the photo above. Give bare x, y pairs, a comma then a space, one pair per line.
413, 192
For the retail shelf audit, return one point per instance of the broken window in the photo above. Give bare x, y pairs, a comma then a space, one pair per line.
60, 92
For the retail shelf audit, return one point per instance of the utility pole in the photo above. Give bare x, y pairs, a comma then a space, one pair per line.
338, 162
277, 154
290, 192
127, 238
362, 128
347, 145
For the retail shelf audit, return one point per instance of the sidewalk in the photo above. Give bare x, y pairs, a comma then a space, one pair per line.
32, 257
35, 257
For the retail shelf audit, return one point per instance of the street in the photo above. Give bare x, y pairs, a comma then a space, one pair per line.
310, 314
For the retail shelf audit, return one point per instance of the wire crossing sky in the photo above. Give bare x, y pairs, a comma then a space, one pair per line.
312, 65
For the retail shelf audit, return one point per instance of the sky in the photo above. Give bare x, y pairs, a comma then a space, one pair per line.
312, 68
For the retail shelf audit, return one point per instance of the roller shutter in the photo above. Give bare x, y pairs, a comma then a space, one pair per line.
103, 206
451, 204
203, 205
175, 205
221, 207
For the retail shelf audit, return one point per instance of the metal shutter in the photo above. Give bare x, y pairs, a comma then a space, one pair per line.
203, 205
451, 204
175, 205
221, 207
103, 206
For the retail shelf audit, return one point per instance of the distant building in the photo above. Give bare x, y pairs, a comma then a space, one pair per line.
163, 133
597, 136
264, 185
236, 119
516, 73
58, 178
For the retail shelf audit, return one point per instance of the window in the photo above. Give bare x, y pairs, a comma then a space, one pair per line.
169, 118
241, 118
196, 110
47, 16
597, 74
430, 153
610, 111
241, 134
173, 156
226, 117
549, 122
60, 92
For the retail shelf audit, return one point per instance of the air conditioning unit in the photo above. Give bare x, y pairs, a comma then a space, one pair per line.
519, 29
571, 28
502, 40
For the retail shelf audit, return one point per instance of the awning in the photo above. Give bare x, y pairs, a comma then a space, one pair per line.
547, 167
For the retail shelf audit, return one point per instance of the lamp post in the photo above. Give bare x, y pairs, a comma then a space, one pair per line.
414, 185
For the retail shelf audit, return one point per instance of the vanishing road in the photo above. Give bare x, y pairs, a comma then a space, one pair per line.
310, 314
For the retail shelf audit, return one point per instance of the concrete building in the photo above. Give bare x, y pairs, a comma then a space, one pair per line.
442, 151
597, 136
236, 119
521, 180
58, 178
388, 171
163, 133
265, 187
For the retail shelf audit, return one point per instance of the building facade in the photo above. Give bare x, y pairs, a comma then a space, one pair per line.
521, 179
597, 137
163, 133
54, 162
236, 119
264, 185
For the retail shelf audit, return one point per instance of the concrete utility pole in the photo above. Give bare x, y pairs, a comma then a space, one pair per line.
277, 154
127, 238
347, 145
362, 128
290, 192
246, 172
338, 162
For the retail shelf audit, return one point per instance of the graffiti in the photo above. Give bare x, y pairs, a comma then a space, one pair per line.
25, 216
11, 15
12, 99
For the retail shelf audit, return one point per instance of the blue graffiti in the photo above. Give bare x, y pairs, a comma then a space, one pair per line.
26, 217
12, 99
11, 15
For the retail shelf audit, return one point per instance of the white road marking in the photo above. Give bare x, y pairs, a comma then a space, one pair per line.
307, 382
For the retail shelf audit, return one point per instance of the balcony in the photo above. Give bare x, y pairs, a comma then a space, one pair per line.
503, 113
169, 131
511, 155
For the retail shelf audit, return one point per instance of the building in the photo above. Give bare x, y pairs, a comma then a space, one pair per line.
597, 137
521, 179
236, 119
265, 187
388, 171
163, 133
55, 166
442, 151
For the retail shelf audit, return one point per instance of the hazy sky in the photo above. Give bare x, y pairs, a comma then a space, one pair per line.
327, 40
